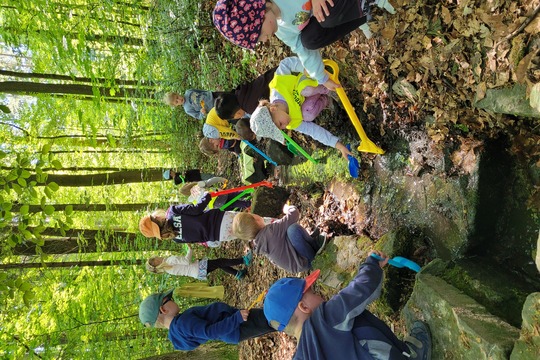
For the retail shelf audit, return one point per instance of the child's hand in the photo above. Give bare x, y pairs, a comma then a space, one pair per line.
385, 257
320, 9
343, 149
331, 85
203, 111
245, 314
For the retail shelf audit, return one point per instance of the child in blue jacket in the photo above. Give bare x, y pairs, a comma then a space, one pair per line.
199, 324
342, 327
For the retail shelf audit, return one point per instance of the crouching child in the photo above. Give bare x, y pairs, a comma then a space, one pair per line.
341, 328
199, 324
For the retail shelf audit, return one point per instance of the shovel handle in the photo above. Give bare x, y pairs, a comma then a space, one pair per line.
241, 188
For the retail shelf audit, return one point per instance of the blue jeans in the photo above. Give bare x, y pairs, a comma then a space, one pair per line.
301, 241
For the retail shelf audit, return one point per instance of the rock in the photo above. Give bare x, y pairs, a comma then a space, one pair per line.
512, 101
528, 344
499, 290
461, 328
351, 251
444, 208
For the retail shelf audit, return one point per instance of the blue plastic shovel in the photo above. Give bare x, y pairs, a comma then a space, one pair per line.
354, 166
400, 262
260, 153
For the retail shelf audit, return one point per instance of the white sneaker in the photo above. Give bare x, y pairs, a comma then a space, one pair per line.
384, 4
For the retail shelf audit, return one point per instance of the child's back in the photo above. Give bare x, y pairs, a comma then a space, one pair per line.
273, 242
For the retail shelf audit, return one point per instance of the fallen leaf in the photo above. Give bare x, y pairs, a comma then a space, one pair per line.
388, 32
445, 14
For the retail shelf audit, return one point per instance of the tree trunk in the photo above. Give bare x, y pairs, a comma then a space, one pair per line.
111, 178
71, 264
110, 151
29, 88
102, 81
90, 207
72, 245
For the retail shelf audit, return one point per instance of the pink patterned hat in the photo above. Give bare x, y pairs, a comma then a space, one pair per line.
240, 21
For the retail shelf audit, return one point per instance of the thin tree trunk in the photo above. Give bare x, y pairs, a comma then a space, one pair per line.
89, 207
26, 87
117, 177
68, 264
110, 151
32, 75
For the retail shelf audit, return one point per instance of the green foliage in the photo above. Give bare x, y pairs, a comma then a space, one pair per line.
91, 312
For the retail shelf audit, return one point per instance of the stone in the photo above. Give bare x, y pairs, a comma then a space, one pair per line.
461, 328
528, 345
512, 101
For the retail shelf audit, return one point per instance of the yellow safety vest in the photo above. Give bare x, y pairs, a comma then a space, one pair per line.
223, 126
290, 87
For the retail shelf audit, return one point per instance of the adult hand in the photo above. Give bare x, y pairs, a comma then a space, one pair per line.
245, 314
384, 257
331, 85
320, 9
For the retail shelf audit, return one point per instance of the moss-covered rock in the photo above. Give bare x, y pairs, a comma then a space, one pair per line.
461, 328
511, 101
528, 344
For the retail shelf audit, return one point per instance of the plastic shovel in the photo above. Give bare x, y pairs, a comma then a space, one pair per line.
260, 152
243, 193
400, 262
354, 166
297, 147
241, 188
366, 145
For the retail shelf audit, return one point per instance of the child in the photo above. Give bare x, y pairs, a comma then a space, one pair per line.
176, 265
211, 147
189, 176
228, 107
190, 223
276, 151
285, 243
196, 103
341, 328
290, 109
199, 324
217, 128
245, 23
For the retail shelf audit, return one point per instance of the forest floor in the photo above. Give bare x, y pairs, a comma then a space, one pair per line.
422, 71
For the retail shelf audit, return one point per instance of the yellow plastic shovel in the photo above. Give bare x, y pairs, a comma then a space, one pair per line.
366, 145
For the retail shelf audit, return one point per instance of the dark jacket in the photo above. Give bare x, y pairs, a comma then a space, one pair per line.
197, 325
342, 328
193, 223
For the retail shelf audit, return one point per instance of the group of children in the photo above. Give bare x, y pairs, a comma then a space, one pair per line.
292, 97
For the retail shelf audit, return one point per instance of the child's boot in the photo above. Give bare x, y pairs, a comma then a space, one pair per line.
240, 274
365, 29
248, 258
385, 4
419, 341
